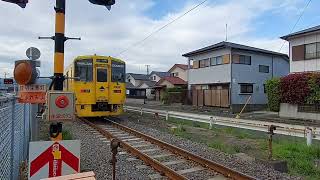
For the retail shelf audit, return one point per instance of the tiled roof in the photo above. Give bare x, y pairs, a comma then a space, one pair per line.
309, 30
225, 44
129, 85
139, 76
172, 80
160, 74
182, 66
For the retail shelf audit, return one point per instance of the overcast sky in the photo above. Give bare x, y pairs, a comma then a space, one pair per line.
258, 23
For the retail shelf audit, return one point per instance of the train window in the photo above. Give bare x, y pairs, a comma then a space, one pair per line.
118, 71
83, 70
102, 75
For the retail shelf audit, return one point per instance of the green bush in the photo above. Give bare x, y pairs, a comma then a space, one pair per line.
273, 93
314, 84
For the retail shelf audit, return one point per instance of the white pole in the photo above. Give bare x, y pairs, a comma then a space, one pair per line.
309, 136
141, 111
167, 116
211, 122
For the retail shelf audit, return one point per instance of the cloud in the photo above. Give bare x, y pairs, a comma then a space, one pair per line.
110, 32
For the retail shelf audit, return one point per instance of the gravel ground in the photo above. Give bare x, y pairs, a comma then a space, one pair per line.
96, 156
254, 169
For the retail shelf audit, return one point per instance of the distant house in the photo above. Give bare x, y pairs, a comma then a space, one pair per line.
135, 92
167, 82
136, 79
304, 49
180, 71
226, 74
156, 75
149, 87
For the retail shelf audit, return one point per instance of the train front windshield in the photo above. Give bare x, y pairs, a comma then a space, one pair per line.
84, 70
118, 71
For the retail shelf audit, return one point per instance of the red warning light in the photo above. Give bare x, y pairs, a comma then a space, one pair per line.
62, 101
25, 72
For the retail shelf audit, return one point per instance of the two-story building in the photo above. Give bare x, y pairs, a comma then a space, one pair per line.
180, 71
304, 50
226, 74
156, 75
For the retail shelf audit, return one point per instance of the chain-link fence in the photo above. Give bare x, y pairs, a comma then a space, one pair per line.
14, 136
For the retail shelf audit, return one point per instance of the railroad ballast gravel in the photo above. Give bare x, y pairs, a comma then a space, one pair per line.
254, 169
96, 155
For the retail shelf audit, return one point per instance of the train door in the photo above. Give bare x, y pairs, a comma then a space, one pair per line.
102, 85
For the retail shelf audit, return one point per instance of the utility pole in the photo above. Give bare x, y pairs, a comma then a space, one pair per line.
226, 32
5, 74
147, 65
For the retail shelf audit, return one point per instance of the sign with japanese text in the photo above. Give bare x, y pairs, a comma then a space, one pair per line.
33, 93
60, 106
53, 159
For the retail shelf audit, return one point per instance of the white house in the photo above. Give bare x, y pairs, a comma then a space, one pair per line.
304, 50
136, 79
156, 75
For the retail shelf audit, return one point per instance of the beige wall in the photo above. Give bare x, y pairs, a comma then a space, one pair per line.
167, 84
181, 73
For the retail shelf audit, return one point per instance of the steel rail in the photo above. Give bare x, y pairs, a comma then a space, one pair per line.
227, 172
282, 128
162, 169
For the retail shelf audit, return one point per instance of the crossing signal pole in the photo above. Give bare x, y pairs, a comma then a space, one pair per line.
59, 39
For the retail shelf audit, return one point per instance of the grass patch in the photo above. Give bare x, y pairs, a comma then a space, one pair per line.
300, 157
294, 150
66, 135
231, 140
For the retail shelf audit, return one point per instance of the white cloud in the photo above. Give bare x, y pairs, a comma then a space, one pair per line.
109, 32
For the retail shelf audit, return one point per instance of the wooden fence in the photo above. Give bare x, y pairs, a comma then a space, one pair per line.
214, 97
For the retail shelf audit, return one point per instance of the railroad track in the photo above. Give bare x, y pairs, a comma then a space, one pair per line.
163, 157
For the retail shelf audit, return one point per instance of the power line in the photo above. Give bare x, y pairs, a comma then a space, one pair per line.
166, 25
302, 12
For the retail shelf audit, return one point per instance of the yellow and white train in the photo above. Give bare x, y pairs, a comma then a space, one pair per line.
98, 83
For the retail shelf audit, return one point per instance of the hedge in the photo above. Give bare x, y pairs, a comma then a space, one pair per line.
295, 88
273, 93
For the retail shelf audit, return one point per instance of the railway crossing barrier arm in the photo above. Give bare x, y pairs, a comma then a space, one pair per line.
281, 128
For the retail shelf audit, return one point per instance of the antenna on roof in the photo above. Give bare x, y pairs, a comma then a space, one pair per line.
226, 32
147, 65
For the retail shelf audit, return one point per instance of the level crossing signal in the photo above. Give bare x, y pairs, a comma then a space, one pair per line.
21, 3
107, 3
25, 72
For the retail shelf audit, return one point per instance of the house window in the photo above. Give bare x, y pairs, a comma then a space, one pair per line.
263, 69
241, 59
204, 63
216, 60
312, 51
219, 60
213, 61
154, 77
264, 88
129, 80
246, 88
175, 74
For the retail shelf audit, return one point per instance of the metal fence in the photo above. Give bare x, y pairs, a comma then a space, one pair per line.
14, 136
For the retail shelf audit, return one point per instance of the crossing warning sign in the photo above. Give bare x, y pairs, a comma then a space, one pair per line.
52, 159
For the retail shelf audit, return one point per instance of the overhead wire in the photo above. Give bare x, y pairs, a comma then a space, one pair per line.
300, 16
161, 28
